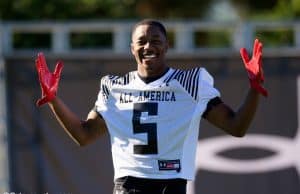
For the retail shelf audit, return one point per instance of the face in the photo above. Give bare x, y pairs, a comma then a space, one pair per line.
149, 46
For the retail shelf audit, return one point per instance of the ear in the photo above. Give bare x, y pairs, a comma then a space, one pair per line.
167, 46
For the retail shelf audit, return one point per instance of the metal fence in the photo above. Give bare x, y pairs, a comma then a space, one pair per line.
184, 32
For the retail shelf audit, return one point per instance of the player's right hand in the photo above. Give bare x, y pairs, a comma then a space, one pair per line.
48, 80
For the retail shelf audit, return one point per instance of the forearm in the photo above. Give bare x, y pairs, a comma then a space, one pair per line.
69, 121
237, 122
244, 115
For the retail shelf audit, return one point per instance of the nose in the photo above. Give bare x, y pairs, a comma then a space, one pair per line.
147, 45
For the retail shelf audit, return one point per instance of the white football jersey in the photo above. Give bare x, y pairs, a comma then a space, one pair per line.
154, 127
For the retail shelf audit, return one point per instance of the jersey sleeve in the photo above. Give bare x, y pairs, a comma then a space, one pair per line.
206, 91
100, 104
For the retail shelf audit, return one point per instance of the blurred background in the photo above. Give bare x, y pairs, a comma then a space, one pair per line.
92, 37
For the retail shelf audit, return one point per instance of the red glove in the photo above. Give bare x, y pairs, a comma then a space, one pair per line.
254, 67
48, 81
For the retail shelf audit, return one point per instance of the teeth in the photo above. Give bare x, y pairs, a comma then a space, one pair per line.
150, 56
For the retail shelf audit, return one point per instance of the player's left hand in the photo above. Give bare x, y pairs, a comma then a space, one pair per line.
254, 67
48, 80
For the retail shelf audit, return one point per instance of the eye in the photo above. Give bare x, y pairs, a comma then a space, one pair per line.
156, 42
140, 42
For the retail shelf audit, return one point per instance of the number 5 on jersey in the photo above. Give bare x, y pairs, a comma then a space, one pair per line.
149, 128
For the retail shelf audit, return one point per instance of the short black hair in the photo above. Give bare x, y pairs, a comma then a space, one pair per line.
151, 22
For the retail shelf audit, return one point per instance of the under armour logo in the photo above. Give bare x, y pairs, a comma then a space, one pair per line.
286, 152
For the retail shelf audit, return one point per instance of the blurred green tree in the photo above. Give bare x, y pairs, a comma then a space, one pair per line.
271, 9
126, 9
100, 9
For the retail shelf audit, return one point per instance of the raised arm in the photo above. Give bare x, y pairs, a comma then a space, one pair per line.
81, 131
237, 123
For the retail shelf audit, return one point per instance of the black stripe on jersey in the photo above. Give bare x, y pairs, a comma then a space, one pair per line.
188, 79
105, 91
123, 80
195, 83
174, 74
104, 87
108, 81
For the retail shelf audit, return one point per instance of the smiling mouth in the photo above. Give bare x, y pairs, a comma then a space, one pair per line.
149, 56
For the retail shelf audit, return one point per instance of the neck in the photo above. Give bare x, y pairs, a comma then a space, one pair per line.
147, 78
151, 70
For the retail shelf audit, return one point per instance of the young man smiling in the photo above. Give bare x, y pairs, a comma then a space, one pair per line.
149, 47
153, 114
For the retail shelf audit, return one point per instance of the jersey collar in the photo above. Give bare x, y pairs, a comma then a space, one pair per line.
154, 83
